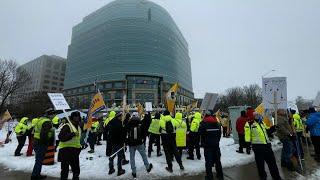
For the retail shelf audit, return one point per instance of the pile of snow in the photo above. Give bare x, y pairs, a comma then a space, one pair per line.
98, 167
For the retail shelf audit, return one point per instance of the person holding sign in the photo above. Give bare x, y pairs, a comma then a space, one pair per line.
70, 147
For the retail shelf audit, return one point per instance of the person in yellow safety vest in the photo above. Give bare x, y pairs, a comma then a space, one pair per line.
70, 147
111, 115
30, 135
299, 127
168, 137
21, 133
92, 137
43, 137
181, 133
194, 137
256, 134
154, 131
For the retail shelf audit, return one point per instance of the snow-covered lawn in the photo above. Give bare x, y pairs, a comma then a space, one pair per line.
98, 167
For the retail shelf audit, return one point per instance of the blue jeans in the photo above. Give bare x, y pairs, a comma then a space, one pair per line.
40, 151
142, 151
287, 152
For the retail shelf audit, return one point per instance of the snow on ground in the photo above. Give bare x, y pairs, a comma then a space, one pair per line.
98, 167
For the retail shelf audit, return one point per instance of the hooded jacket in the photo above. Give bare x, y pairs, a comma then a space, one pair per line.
313, 123
181, 131
241, 121
210, 132
134, 122
111, 115
284, 129
195, 123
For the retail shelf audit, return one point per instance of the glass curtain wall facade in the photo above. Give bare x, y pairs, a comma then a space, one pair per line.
122, 41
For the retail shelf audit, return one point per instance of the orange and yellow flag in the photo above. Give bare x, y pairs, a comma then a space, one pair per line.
97, 104
171, 97
260, 109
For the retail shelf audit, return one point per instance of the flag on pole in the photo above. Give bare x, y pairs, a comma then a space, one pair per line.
140, 109
171, 97
261, 110
97, 104
4, 118
218, 115
192, 106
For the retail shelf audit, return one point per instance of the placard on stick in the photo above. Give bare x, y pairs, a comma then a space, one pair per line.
209, 101
148, 106
58, 101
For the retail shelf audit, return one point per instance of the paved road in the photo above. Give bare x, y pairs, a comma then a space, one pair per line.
244, 172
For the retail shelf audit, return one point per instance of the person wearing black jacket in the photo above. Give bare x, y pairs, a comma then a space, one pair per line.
135, 141
210, 132
146, 124
117, 136
70, 147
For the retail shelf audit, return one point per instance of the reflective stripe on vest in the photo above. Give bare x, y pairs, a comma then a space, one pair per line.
74, 142
38, 127
258, 134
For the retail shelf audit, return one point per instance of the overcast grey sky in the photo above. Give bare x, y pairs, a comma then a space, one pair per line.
231, 42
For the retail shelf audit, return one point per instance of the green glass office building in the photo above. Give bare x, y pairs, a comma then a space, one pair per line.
130, 47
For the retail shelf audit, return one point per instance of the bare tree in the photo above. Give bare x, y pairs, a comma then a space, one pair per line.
11, 79
302, 103
248, 95
253, 95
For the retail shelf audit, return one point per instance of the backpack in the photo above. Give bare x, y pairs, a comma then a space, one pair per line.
169, 127
135, 133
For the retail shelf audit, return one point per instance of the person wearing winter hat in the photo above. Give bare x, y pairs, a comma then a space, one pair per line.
135, 141
154, 131
117, 135
168, 137
210, 132
70, 147
256, 134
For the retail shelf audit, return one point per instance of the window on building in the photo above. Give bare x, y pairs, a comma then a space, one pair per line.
63, 68
56, 65
108, 85
54, 83
45, 87
49, 64
118, 85
61, 84
46, 81
54, 88
47, 76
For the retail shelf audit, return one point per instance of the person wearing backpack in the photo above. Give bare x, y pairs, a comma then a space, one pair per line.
181, 133
194, 137
168, 136
154, 131
135, 131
